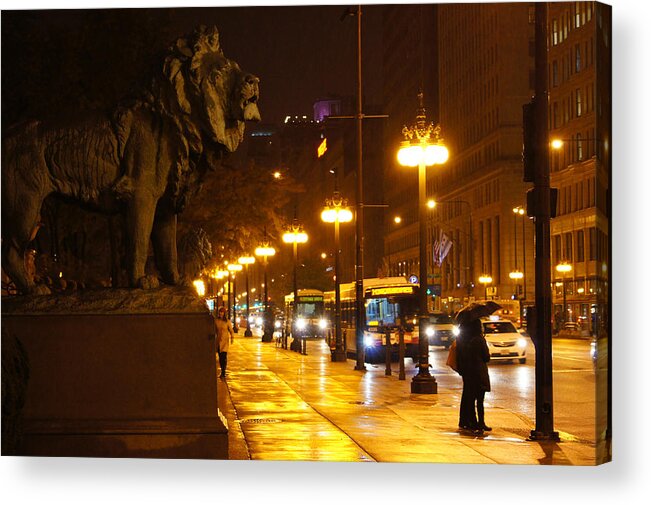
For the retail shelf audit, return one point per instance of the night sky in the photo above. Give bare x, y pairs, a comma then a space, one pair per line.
91, 58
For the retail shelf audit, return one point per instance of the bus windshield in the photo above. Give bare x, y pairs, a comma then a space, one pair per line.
309, 309
384, 311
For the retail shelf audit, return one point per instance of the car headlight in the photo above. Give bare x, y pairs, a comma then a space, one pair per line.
369, 341
455, 331
251, 319
323, 324
301, 324
258, 321
237, 320
522, 342
277, 324
429, 331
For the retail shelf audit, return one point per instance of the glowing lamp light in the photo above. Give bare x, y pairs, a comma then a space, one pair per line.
563, 268
200, 287
397, 219
516, 275
265, 251
485, 279
298, 236
246, 260
431, 204
330, 215
234, 268
557, 144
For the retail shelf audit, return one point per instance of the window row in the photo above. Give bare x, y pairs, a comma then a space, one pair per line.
580, 57
578, 196
578, 15
579, 246
578, 103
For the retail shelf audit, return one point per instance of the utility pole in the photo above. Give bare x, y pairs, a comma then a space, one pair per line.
539, 206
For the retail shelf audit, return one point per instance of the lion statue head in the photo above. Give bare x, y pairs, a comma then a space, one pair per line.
210, 94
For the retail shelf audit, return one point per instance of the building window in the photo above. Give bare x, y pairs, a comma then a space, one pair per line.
555, 73
554, 32
557, 248
577, 58
592, 251
579, 147
578, 102
577, 14
555, 114
568, 247
580, 256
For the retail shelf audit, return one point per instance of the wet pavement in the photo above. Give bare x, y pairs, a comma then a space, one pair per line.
285, 406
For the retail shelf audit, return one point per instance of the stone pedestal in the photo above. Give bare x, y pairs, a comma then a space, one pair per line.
120, 384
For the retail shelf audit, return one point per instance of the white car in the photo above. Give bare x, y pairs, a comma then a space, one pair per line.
504, 340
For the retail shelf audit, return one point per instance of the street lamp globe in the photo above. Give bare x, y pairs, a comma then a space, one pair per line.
516, 275
563, 268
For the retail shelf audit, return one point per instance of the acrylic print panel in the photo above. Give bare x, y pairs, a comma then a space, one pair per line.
161, 164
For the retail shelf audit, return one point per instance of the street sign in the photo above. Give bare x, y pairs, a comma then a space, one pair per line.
413, 279
434, 289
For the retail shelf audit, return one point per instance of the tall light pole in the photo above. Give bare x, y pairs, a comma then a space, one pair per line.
336, 211
421, 148
519, 211
246, 261
564, 268
232, 268
295, 235
264, 251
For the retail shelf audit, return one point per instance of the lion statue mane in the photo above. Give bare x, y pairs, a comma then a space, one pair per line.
143, 160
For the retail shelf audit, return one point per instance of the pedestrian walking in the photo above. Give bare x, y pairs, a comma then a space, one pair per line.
224, 336
472, 358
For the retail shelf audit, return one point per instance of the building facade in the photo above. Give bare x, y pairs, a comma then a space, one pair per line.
579, 131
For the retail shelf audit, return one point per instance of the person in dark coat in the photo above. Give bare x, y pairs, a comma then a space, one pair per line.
472, 358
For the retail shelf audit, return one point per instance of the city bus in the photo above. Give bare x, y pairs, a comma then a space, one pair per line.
510, 310
306, 319
390, 303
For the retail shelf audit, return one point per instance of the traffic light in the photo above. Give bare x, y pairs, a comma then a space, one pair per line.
529, 141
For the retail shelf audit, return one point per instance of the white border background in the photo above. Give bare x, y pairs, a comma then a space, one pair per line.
98, 481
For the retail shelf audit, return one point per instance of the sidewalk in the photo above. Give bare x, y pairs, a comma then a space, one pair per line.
284, 406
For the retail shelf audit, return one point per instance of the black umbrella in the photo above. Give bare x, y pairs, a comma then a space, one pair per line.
476, 310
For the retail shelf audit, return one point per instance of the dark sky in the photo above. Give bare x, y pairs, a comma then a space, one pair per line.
300, 53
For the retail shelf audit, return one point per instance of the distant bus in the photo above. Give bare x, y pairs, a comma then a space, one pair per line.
390, 302
306, 318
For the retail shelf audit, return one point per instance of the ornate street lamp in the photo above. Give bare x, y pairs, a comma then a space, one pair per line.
265, 250
246, 261
336, 211
295, 235
233, 268
421, 148
564, 268
485, 280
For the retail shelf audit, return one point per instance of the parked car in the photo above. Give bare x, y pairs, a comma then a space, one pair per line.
504, 340
442, 329
573, 329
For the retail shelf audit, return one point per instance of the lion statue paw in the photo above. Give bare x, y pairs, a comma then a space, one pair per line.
148, 282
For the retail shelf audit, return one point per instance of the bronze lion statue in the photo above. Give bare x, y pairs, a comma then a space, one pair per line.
143, 160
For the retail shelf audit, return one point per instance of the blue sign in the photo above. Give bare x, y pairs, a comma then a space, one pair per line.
413, 279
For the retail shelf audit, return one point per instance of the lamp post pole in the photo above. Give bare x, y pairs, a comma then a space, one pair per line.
336, 211
246, 261
294, 236
265, 251
422, 147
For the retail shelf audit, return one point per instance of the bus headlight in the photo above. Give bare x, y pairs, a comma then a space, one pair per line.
522, 342
369, 341
301, 324
323, 324
455, 331
429, 331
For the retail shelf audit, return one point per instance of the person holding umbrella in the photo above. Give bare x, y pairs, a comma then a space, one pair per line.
472, 358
